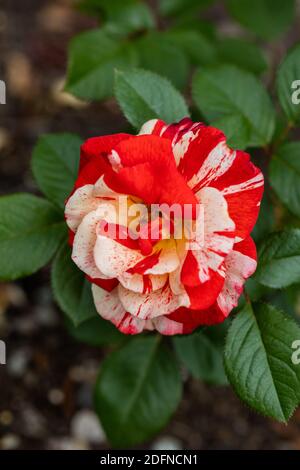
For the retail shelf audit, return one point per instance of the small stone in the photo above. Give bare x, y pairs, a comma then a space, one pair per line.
6, 418
46, 316
34, 424
25, 325
16, 295
77, 374
10, 442
84, 373
43, 295
11, 294
3, 21
66, 443
30, 379
85, 395
5, 138
55, 18
17, 362
86, 427
21, 80
56, 396
167, 443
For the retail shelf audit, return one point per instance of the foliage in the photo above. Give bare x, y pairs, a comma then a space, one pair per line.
149, 69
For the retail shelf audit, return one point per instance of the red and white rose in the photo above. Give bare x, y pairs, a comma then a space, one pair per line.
171, 284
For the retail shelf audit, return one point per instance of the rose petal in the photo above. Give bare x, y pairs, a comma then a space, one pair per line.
151, 305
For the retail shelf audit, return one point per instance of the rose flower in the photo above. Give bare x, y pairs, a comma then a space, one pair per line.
146, 273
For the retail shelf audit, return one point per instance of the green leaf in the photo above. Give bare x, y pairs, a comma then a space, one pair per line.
266, 220
286, 300
198, 48
285, 175
31, 230
174, 7
202, 353
188, 22
138, 390
279, 259
159, 54
121, 16
71, 289
143, 95
288, 85
93, 56
227, 91
55, 164
242, 53
258, 361
236, 129
95, 332
255, 290
266, 18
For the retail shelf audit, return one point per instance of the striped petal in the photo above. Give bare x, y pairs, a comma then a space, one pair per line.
164, 259
110, 308
79, 205
204, 159
142, 283
99, 147
85, 240
112, 258
239, 265
151, 305
202, 272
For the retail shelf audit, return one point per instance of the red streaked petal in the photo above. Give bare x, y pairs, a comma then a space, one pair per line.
195, 150
86, 237
148, 171
205, 294
150, 305
163, 260
106, 284
202, 270
192, 319
79, 205
110, 308
142, 284
113, 258
244, 203
96, 147
145, 264
91, 172
166, 326
239, 265
154, 127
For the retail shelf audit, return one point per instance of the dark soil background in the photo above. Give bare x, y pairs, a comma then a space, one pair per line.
46, 385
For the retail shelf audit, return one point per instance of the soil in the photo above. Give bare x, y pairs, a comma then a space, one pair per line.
47, 382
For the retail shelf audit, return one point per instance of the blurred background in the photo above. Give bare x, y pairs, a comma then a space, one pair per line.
46, 385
